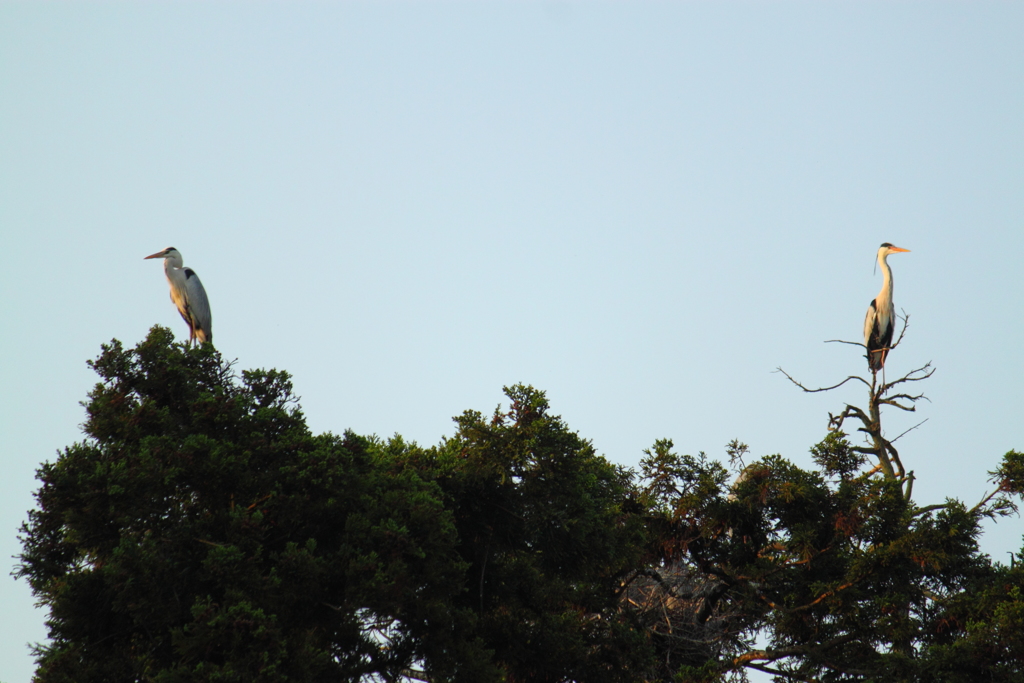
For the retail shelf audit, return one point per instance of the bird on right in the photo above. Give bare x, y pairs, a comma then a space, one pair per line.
881, 318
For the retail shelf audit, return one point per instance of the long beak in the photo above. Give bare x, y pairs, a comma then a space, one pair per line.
159, 254
898, 249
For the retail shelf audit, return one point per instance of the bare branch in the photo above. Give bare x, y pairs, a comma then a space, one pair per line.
871, 422
843, 341
894, 456
892, 402
916, 375
906, 323
814, 391
909, 430
836, 421
913, 398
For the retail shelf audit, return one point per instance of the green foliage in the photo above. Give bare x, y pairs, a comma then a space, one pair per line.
835, 457
549, 530
1011, 473
978, 634
843, 578
201, 533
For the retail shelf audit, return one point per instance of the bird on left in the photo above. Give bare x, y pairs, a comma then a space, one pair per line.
188, 295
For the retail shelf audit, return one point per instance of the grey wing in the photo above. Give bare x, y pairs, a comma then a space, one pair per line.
870, 320
198, 306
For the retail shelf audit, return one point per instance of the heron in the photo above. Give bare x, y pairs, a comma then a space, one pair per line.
188, 295
881, 317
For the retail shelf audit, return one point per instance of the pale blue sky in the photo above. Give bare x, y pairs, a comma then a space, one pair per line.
642, 209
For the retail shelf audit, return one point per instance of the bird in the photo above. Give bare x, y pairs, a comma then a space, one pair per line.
881, 317
188, 295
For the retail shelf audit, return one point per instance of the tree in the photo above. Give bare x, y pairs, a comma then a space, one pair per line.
201, 532
836, 571
550, 531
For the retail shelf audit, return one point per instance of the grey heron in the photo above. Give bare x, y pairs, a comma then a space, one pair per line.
188, 295
881, 318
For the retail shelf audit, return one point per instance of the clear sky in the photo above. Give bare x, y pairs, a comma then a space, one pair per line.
641, 208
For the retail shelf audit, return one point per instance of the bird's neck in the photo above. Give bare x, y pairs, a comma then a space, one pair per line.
886, 292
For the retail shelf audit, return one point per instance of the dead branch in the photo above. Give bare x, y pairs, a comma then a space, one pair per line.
814, 391
895, 457
835, 422
909, 430
843, 341
880, 393
906, 323
916, 375
895, 404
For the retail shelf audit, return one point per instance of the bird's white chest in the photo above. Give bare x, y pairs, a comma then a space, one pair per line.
884, 312
176, 279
